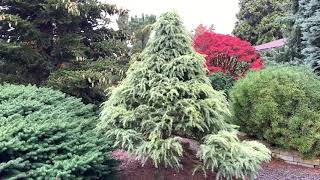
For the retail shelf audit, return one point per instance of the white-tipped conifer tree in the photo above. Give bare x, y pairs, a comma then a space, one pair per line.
165, 96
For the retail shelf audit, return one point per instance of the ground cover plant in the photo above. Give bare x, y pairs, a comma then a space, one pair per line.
167, 96
45, 134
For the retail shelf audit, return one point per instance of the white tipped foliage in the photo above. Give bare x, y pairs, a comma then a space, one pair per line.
167, 95
224, 154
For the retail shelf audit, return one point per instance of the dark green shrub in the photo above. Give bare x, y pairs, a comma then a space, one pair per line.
280, 57
89, 82
221, 81
280, 105
46, 135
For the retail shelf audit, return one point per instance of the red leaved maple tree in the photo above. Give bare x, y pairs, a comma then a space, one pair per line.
226, 54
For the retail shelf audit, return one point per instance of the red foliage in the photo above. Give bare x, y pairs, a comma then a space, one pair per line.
227, 54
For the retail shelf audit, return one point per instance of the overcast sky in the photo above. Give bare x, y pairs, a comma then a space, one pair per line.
220, 13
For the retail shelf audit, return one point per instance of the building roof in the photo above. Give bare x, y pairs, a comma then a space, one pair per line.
270, 45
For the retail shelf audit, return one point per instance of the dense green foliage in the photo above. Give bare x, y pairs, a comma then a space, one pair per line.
311, 34
222, 81
279, 57
63, 37
259, 20
167, 95
139, 29
302, 34
275, 56
45, 134
90, 81
224, 153
292, 32
282, 106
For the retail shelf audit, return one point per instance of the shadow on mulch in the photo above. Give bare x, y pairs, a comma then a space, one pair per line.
131, 169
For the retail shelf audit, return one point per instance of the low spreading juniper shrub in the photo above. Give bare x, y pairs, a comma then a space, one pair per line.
45, 134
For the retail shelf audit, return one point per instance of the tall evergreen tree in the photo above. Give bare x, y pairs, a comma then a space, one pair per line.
311, 33
293, 33
69, 37
258, 21
166, 96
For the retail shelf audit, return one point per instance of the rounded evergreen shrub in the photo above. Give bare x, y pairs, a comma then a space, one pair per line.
45, 134
282, 106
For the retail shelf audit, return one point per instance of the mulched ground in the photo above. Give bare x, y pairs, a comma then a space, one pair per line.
130, 169
278, 170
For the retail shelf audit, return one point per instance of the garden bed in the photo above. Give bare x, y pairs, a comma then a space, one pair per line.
131, 169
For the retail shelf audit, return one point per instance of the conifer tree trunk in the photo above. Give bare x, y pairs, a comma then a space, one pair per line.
159, 175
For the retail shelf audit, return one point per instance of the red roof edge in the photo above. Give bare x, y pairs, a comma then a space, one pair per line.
270, 45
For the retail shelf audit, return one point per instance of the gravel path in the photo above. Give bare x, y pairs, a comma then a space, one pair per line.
130, 169
277, 170
276, 174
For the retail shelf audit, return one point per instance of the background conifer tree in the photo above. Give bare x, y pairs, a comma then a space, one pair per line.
166, 96
302, 33
311, 33
292, 32
65, 44
291, 52
140, 29
259, 20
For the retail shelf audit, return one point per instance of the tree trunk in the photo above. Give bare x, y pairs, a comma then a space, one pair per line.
159, 175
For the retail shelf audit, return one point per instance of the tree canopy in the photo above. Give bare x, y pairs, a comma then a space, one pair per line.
67, 38
259, 20
302, 33
311, 34
227, 54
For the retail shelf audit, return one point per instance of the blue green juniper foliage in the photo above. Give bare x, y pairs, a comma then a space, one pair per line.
311, 33
45, 134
